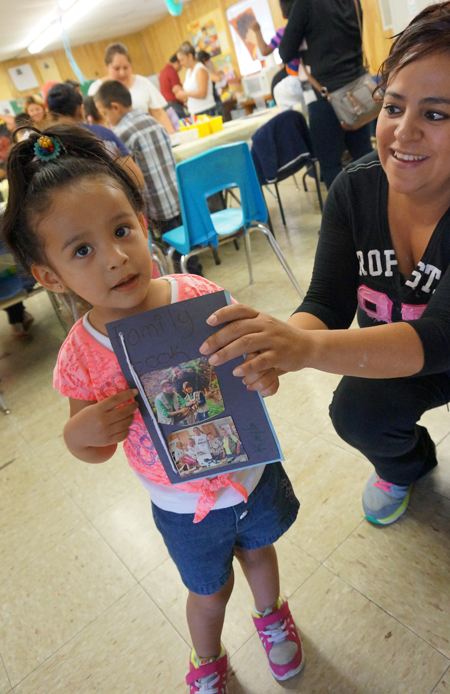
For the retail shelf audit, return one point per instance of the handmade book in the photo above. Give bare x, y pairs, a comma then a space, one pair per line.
202, 420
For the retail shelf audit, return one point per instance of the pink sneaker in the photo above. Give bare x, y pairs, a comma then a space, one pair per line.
280, 638
209, 678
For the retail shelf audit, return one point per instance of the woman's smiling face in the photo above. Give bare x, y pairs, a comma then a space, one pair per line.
413, 130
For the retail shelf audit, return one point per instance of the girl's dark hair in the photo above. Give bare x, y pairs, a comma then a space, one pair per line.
428, 32
32, 182
64, 100
90, 108
113, 49
203, 56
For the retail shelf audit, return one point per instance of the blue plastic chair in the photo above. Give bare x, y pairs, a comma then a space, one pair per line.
218, 169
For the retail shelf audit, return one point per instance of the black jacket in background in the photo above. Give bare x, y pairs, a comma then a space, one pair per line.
331, 31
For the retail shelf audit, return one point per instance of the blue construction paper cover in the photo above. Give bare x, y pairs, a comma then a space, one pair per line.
202, 420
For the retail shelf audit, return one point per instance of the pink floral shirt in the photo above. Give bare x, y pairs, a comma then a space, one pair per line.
87, 370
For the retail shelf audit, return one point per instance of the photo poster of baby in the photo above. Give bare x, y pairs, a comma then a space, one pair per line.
240, 18
202, 420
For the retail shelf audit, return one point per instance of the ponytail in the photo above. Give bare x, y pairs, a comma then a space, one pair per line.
32, 181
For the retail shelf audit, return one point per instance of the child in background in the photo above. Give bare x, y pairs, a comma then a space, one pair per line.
74, 218
149, 145
215, 445
196, 401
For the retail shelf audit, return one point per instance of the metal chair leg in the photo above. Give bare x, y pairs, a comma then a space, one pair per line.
169, 257
305, 188
3, 406
248, 253
277, 250
269, 221
215, 255
280, 205
316, 179
160, 259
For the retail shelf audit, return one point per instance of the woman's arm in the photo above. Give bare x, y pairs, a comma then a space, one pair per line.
294, 32
385, 351
161, 116
95, 428
264, 47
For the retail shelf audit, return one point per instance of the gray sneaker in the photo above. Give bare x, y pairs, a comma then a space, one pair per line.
384, 502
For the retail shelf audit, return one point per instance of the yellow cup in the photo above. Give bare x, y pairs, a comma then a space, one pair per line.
216, 124
203, 128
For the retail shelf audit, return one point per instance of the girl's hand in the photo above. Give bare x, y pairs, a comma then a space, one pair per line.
270, 344
94, 429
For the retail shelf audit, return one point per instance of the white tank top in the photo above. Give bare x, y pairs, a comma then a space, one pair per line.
190, 85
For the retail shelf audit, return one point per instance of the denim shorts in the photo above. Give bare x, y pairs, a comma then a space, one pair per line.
203, 552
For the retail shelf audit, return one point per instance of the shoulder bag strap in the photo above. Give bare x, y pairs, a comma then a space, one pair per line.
358, 15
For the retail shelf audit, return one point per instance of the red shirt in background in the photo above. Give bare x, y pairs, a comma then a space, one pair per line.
168, 78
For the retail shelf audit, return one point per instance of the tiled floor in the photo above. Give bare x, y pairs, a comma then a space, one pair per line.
90, 601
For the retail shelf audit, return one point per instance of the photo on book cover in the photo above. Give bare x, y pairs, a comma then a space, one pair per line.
184, 394
207, 446
229, 428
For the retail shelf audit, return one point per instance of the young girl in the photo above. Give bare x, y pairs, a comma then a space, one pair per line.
196, 401
74, 218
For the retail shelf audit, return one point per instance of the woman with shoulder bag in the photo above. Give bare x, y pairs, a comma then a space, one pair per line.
329, 37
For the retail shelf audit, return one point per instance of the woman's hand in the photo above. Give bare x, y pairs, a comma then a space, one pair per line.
94, 429
270, 345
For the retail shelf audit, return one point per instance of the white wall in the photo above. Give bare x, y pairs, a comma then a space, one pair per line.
397, 13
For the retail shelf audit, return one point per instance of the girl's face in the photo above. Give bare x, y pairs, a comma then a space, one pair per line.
189, 389
97, 246
413, 131
120, 69
36, 112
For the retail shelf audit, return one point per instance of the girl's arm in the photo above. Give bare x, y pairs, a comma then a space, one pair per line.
95, 428
202, 87
264, 47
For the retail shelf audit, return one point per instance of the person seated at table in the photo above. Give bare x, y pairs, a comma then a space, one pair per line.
144, 94
216, 447
231, 443
168, 79
150, 145
197, 88
217, 78
34, 107
192, 449
93, 115
66, 104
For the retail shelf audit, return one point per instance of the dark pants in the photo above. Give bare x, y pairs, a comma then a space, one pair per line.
379, 418
15, 313
209, 112
177, 107
330, 140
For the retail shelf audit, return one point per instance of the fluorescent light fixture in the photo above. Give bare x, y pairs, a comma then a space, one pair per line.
72, 11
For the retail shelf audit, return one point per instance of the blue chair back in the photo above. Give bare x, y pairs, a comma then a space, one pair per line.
228, 166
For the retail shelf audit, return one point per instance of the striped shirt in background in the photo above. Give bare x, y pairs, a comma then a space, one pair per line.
149, 146
292, 67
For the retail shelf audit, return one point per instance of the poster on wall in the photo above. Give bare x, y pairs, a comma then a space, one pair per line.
240, 17
48, 69
23, 77
208, 34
